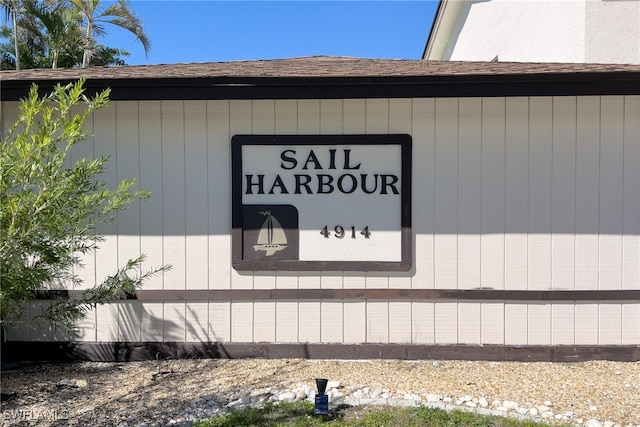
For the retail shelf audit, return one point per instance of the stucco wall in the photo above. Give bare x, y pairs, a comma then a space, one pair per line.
596, 31
523, 193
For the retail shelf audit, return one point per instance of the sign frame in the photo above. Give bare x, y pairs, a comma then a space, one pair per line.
239, 263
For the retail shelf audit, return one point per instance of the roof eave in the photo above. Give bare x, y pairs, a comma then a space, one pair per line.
452, 85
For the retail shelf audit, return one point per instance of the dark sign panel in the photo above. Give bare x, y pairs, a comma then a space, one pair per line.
321, 202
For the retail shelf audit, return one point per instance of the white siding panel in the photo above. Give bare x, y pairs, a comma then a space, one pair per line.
196, 195
492, 323
264, 321
309, 280
354, 280
493, 194
400, 328
586, 324
152, 325
610, 325
127, 167
446, 194
423, 125
9, 113
540, 180
511, 193
562, 323
423, 322
129, 320
219, 182
287, 280
242, 321
400, 113
197, 321
516, 323
151, 180
104, 131
174, 325
377, 322
309, 116
240, 122
286, 321
173, 191
354, 116
611, 192
539, 317
106, 321
355, 318
220, 321
631, 196
516, 193
630, 323
331, 280
39, 330
377, 115
332, 325
330, 116
309, 321
286, 116
563, 203
587, 193
60, 335
376, 280
263, 116
264, 280
446, 322
469, 192
400, 122
87, 327
86, 272
469, 323
20, 330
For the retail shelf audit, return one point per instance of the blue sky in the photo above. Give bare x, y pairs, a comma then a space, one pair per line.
200, 31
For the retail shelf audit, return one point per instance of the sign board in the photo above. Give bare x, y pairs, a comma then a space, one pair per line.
321, 202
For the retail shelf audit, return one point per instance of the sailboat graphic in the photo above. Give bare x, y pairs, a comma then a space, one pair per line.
271, 238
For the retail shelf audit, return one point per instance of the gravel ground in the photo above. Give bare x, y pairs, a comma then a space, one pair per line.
173, 392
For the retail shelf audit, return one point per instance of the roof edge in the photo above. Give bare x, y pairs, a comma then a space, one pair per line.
444, 23
428, 86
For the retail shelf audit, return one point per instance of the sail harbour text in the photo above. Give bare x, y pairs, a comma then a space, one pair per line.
306, 182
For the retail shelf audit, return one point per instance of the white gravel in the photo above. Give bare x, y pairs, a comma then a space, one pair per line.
176, 392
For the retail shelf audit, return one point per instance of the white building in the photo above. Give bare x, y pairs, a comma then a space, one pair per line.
586, 31
507, 223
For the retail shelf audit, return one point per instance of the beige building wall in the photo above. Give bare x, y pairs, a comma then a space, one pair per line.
536, 193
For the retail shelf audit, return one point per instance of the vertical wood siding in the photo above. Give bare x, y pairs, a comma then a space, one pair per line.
508, 193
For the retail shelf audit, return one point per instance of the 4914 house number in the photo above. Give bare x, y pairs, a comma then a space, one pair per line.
339, 232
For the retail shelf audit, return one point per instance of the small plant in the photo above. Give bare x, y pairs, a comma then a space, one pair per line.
51, 207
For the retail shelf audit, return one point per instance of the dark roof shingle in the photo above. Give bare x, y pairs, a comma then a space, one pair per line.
315, 66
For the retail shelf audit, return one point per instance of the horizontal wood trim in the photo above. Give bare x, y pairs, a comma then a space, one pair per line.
131, 351
367, 294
